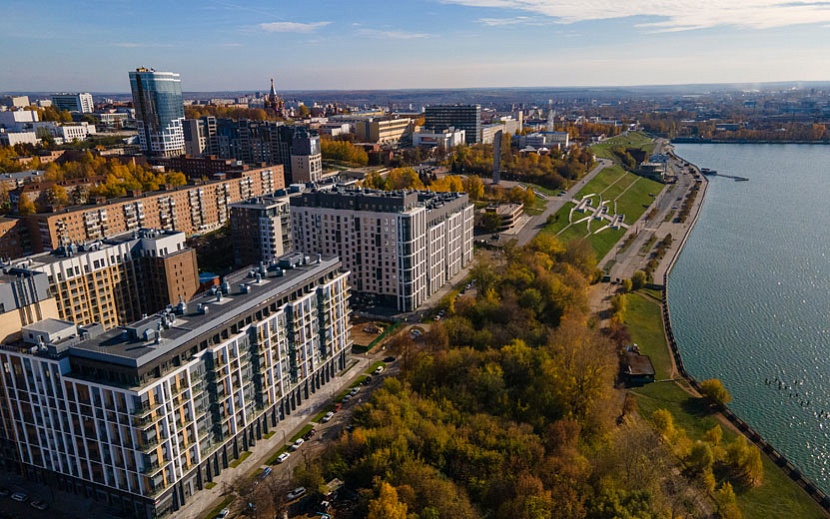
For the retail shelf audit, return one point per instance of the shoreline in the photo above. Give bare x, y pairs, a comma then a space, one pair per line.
790, 469
684, 140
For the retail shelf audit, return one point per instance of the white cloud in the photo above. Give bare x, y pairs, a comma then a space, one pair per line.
518, 20
675, 15
292, 26
394, 35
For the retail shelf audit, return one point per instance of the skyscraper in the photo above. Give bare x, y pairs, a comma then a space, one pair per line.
159, 110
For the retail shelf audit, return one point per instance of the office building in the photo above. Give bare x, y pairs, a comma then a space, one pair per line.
461, 117
116, 281
260, 230
78, 102
400, 247
383, 130
15, 101
446, 139
18, 120
190, 209
159, 111
146, 416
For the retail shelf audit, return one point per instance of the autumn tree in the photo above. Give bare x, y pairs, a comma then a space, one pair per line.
25, 206
715, 392
474, 187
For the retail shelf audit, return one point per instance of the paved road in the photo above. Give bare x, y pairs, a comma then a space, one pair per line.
668, 202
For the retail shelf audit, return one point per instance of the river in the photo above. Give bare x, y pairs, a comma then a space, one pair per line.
750, 293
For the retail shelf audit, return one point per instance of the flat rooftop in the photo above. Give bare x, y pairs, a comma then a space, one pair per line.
117, 347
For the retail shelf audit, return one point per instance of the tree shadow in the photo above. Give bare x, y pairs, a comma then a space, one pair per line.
697, 407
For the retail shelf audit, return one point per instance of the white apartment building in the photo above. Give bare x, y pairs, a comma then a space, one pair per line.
146, 416
399, 246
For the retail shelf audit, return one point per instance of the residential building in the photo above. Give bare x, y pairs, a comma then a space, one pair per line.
383, 130
195, 141
462, 117
159, 111
203, 167
488, 132
14, 241
116, 281
24, 300
400, 246
446, 139
260, 230
145, 416
77, 102
296, 148
190, 209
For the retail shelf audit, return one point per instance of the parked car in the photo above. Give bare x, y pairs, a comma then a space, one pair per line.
282, 457
389, 359
39, 505
328, 416
414, 333
310, 434
354, 391
294, 494
20, 496
346, 399
367, 380
223, 513
265, 472
378, 370
296, 444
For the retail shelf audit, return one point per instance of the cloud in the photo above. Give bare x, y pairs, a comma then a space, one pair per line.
673, 15
292, 26
518, 20
394, 35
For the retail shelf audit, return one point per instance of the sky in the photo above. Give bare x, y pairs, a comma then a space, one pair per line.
217, 45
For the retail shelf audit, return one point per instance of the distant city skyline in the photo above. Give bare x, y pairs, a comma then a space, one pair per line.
219, 45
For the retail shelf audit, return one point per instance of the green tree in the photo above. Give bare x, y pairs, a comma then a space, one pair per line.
714, 391
474, 187
700, 458
303, 111
638, 280
627, 285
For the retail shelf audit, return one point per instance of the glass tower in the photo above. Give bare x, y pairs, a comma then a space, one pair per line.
159, 110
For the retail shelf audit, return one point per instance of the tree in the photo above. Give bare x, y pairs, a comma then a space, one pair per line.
25, 206
638, 280
387, 505
700, 458
490, 222
303, 111
627, 285
474, 187
57, 196
714, 391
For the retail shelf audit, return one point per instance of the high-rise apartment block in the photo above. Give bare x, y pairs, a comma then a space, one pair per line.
192, 209
159, 111
24, 299
461, 117
147, 415
114, 282
77, 102
400, 246
296, 148
260, 230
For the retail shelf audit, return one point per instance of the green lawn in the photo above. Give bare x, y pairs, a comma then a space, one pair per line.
302, 432
645, 325
542, 189
634, 202
630, 140
600, 183
371, 369
218, 508
777, 498
235, 463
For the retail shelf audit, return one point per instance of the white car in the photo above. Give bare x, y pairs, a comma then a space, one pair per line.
20, 497
296, 444
294, 494
328, 416
378, 370
282, 457
223, 513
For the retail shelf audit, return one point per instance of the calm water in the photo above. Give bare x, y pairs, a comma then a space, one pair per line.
750, 294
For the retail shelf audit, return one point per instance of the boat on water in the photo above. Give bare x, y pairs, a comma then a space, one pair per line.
707, 171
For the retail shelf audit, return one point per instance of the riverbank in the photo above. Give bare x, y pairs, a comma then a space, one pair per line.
683, 140
772, 454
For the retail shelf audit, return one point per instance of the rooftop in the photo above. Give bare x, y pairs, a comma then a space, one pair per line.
161, 334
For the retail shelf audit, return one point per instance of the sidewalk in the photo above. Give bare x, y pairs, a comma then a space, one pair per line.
203, 501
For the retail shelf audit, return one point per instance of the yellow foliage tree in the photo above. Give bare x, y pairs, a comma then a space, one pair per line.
387, 505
